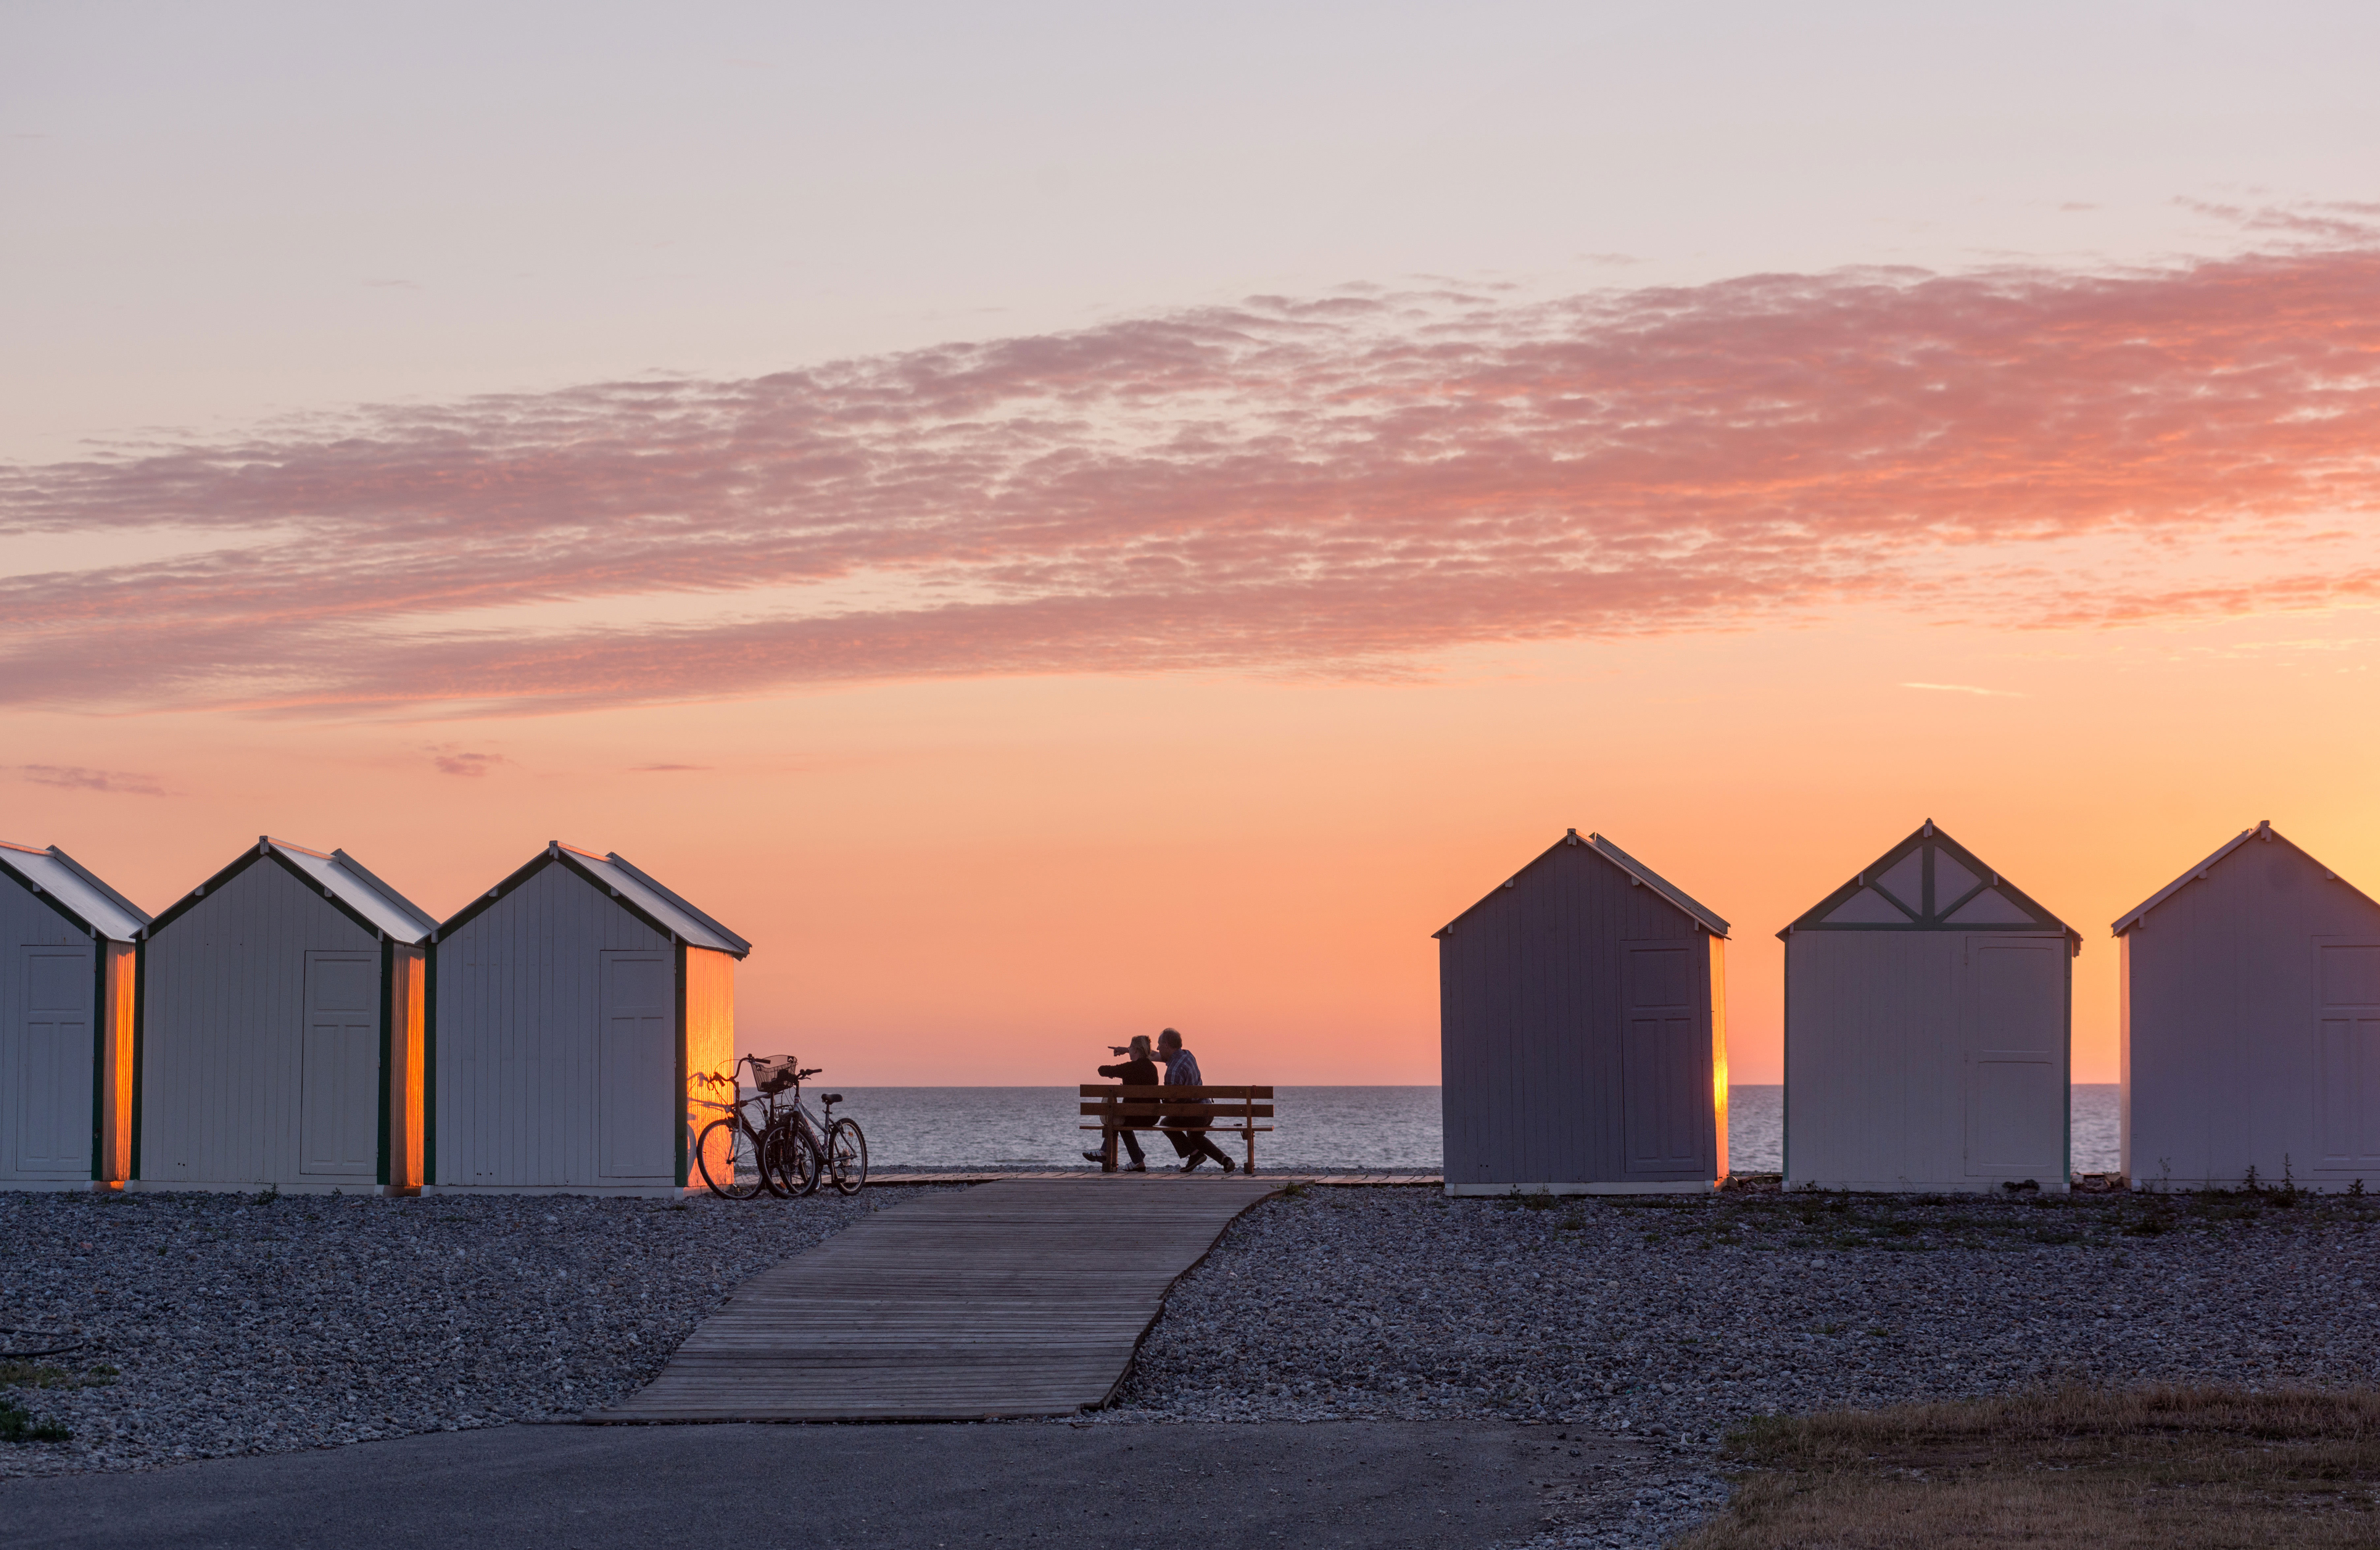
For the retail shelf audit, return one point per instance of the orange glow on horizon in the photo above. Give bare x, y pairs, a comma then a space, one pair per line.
988, 882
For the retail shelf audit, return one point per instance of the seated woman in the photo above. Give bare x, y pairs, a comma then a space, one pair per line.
1138, 1071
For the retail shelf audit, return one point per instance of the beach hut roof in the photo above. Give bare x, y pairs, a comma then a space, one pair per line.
339, 877
1638, 873
57, 878
1930, 882
641, 894
2265, 832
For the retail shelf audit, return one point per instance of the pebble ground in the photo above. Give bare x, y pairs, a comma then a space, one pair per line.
218, 1325
1674, 1318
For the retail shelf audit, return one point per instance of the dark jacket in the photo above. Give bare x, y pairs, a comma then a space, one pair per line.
1134, 1073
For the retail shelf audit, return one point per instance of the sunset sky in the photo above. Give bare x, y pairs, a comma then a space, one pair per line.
1055, 521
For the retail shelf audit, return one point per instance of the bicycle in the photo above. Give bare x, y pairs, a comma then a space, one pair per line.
738, 1158
839, 1147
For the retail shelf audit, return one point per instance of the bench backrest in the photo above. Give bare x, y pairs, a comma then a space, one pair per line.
1150, 1102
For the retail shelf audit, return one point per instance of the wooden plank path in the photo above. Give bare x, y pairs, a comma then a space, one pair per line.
1025, 1296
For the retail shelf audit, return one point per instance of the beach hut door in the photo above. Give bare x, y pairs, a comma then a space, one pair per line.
52, 1064
338, 1118
638, 1066
2348, 1096
1667, 1093
2014, 1005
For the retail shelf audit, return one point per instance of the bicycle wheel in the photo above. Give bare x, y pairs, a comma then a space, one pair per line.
725, 1154
792, 1161
846, 1155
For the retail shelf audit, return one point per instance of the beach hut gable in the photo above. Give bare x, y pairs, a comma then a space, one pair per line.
2264, 832
67, 1002
636, 892
1930, 882
1637, 872
342, 881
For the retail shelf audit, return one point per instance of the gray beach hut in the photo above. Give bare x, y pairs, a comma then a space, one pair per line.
279, 1036
1583, 1032
66, 1050
576, 1008
2251, 1030
1928, 1019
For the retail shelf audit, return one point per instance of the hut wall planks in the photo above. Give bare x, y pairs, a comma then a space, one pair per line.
1582, 1033
1928, 1010
2250, 1036
571, 1032
225, 1039
50, 1047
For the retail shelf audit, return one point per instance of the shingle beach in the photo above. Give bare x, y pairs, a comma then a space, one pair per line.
235, 1326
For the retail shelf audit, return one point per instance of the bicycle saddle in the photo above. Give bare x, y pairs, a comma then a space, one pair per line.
830, 1097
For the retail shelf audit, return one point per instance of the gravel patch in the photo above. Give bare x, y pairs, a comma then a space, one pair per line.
1671, 1318
220, 1324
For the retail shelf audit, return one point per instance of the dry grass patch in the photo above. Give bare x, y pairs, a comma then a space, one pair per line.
2174, 1469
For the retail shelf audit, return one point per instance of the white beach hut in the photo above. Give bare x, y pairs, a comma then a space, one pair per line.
574, 1008
68, 988
2250, 1033
1583, 1032
279, 1033
1928, 1007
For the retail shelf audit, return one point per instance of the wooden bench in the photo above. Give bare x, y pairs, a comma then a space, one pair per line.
1232, 1111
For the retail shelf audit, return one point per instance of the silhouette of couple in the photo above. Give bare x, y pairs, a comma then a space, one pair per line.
1187, 1132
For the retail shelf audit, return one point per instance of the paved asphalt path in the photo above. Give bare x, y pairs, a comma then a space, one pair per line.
965, 1487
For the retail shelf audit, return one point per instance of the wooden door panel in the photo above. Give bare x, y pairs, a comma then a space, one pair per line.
1662, 1053
338, 1119
637, 1101
52, 1075
2013, 1017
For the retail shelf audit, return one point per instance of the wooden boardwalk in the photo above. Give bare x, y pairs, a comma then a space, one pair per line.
1026, 1297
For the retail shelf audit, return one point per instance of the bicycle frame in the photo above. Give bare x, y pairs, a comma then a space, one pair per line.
782, 1119
736, 1106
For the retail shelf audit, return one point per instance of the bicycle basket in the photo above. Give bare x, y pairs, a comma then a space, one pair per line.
773, 1074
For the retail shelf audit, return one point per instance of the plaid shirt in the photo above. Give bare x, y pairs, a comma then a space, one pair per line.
1182, 1070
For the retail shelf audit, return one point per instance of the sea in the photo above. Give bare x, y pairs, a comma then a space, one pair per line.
1319, 1128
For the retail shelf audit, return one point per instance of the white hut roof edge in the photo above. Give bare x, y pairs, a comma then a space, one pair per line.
1658, 883
634, 890
337, 876
1637, 872
2133, 917
342, 876
651, 895
100, 908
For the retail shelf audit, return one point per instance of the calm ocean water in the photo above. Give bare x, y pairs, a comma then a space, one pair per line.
1320, 1128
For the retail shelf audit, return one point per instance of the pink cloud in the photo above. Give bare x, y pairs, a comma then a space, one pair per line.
76, 777
1341, 486
452, 761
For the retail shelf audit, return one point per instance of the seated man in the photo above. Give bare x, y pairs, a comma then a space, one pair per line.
1187, 1132
1138, 1071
